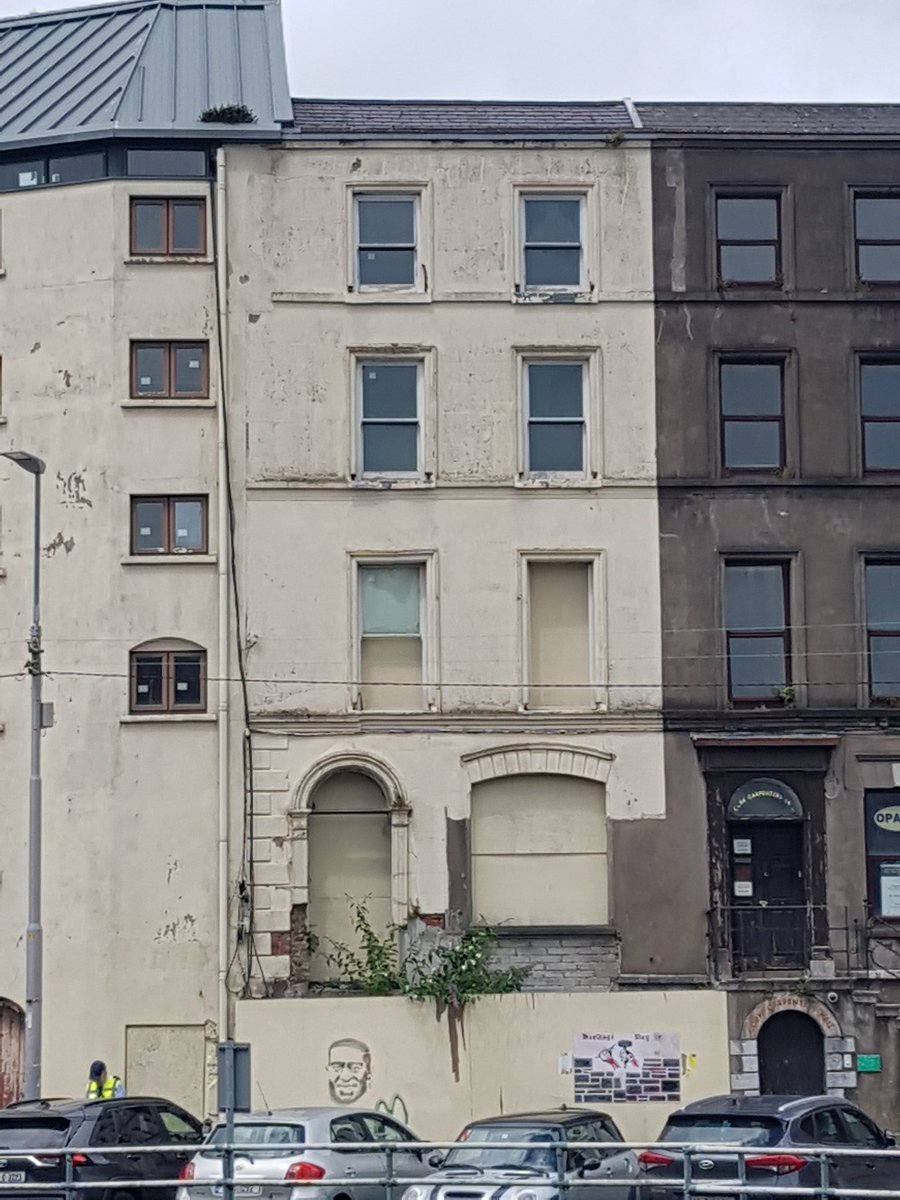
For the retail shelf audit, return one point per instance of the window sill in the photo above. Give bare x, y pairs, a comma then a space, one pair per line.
383, 483
167, 402
388, 296
538, 482
552, 931
553, 296
198, 259
157, 560
167, 718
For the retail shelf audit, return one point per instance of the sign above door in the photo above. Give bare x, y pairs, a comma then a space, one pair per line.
764, 799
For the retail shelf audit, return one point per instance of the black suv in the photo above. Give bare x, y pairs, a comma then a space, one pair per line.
92, 1126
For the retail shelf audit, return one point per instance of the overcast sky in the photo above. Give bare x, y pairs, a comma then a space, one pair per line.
588, 49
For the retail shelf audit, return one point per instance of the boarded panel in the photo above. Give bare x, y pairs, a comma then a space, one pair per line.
392, 673
349, 858
168, 1061
558, 634
12, 1027
539, 851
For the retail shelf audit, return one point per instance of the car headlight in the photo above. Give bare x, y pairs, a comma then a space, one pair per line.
417, 1192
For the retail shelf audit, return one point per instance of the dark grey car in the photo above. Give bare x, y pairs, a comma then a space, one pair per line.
775, 1127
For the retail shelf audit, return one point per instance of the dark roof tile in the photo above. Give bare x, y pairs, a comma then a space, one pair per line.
773, 119
456, 119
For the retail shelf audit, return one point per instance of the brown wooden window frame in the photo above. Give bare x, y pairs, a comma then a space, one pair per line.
169, 349
749, 360
784, 632
874, 360
883, 701
169, 661
778, 281
167, 250
864, 194
169, 503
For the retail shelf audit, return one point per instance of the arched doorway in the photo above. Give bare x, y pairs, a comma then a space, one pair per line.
791, 1053
349, 860
12, 1026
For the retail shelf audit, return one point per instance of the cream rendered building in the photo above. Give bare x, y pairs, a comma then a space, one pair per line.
442, 354
109, 302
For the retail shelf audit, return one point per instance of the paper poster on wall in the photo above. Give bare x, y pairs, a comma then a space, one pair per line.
626, 1067
890, 889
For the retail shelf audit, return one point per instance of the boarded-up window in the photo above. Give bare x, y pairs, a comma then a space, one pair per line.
539, 851
390, 602
559, 658
349, 859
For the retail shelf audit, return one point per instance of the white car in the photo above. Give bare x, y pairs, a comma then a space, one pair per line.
270, 1162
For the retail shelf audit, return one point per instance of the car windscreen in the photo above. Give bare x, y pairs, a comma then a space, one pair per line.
264, 1140
33, 1133
492, 1147
730, 1129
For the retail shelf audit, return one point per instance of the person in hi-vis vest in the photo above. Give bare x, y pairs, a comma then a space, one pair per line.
102, 1086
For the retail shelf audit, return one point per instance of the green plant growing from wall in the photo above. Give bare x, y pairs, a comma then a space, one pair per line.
453, 974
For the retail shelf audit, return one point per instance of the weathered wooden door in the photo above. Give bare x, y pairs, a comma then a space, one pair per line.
12, 1026
770, 925
791, 1056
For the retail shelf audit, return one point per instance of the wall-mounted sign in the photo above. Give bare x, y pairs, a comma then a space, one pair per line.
764, 800
868, 1064
743, 888
888, 818
742, 845
626, 1067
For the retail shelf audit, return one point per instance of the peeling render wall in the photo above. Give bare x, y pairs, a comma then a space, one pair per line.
508, 1060
296, 324
129, 808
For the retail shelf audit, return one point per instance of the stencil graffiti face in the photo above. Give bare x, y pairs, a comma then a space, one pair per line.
349, 1070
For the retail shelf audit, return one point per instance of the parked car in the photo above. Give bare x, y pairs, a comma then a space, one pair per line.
776, 1127
265, 1161
96, 1125
488, 1159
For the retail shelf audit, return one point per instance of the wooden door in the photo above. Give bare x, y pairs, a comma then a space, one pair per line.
12, 1056
770, 925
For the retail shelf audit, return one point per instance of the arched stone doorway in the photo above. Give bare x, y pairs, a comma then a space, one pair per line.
791, 1049
836, 1049
12, 1033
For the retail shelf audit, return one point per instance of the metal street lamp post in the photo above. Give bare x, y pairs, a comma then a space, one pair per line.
34, 950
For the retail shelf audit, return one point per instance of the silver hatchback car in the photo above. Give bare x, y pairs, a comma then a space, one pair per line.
270, 1162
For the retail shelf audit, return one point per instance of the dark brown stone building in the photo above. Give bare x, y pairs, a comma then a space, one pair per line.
777, 263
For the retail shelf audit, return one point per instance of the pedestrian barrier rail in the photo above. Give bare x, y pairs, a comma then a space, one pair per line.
652, 1170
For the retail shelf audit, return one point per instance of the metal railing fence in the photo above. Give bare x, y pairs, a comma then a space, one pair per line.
682, 1176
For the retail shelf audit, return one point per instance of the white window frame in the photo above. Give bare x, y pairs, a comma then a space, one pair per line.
427, 466
361, 361
395, 192
426, 561
597, 624
558, 357
557, 193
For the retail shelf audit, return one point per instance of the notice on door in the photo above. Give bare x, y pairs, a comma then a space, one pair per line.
616, 1067
890, 889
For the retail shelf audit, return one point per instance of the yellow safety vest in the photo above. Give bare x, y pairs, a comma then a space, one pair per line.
107, 1092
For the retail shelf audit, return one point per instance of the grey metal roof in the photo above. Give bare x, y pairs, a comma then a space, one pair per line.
146, 67
456, 119
810, 120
